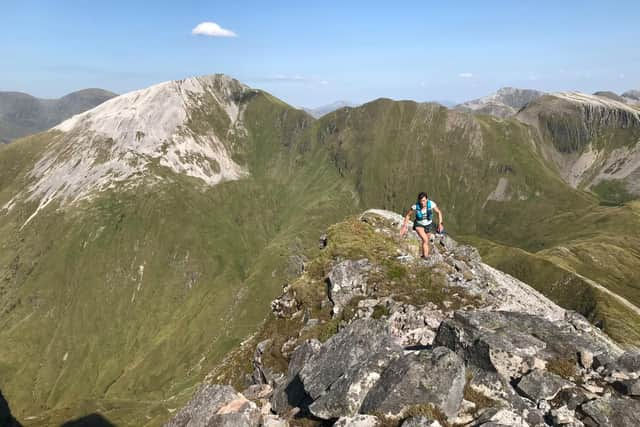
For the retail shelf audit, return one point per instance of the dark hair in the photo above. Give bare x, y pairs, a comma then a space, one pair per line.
421, 195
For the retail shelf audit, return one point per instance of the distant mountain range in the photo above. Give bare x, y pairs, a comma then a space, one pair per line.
22, 114
507, 101
329, 108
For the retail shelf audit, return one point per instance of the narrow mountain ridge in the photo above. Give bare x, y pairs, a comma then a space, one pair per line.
371, 335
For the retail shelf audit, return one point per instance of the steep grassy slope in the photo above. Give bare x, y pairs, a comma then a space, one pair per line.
125, 300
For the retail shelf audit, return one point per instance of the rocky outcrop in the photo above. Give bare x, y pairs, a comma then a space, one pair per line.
429, 376
347, 280
513, 343
481, 349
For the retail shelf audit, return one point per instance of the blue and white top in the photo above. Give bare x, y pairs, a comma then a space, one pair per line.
424, 216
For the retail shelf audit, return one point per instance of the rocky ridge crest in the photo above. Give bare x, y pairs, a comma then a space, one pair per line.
390, 339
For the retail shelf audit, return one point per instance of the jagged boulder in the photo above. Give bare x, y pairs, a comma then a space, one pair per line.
542, 385
290, 392
347, 280
425, 377
217, 406
344, 351
347, 393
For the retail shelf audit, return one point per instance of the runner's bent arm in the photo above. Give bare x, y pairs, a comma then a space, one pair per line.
406, 221
440, 217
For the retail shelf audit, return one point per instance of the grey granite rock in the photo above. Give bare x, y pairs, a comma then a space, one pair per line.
346, 394
358, 420
612, 412
344, 351
539, 384
216, 406
435, 377
514, 343
290, 393
347, 280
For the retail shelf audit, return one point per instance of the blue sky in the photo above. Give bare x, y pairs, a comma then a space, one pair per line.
313, 53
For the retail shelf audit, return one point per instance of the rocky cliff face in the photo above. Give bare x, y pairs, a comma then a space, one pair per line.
594, 138
372, 335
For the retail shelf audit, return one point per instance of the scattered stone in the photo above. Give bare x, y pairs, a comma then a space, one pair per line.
347, 280
628, 387
322, 242
500, 417
592, 388
586, 358
629, 362
572, 398
612, 411
414, 326
285, 306
258, 391
420, 422
274, 421
564, 416
418, 378
541, 385
357, 421
216, 405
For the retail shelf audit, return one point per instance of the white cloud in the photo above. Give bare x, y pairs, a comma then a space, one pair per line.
465, 75
324, 82
213, 30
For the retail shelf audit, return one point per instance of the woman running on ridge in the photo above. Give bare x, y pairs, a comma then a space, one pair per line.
423, 225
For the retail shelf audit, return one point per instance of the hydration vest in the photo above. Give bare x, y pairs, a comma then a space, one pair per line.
420, 216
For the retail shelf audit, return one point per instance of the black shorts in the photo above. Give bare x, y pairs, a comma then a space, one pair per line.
431, 228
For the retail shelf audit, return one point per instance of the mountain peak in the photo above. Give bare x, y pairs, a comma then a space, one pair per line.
504, 102
118, 140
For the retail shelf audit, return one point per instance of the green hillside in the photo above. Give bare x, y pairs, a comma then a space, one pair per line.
129, 299
121, 302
